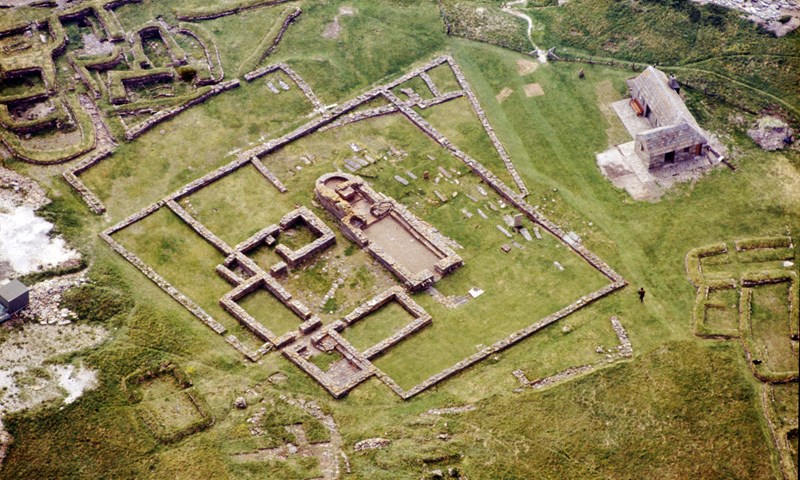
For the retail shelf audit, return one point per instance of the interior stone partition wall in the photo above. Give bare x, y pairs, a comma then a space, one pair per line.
245, 275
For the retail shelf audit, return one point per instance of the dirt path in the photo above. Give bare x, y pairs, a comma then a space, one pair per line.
509, 9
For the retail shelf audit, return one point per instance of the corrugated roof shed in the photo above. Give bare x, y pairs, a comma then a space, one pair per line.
665, 103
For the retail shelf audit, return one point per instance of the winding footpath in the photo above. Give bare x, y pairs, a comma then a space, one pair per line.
509, 9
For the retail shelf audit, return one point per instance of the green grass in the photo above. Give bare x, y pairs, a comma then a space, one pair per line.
182, 257
722, 309
377, 326
202, 139
239, 205
270, 312
770, 326
444, 79
682, 408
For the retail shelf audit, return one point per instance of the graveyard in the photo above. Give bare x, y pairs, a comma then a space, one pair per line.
333, 240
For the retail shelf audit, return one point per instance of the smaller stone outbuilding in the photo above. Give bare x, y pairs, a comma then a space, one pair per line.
675, 136
13, 298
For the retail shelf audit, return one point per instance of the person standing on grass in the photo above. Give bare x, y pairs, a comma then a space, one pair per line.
641, 294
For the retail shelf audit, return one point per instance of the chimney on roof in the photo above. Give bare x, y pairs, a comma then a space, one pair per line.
673, 84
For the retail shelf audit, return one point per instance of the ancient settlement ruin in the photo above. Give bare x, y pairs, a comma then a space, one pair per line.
675, 136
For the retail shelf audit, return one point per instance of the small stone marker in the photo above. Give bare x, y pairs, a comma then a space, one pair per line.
505, 247
360, 161
283, 84
482, 191
788, 263
503, 231
440, 196
493, 206
272, 88
517, 245
475, 292
369, 158
471, 197
426, 175
466, 213
509, 220
355, 148
558, 266
430, 157
483, 215
401, 180
518, 220
270, 240
526, 234
537, 233
411, 175
240, 403
444, 172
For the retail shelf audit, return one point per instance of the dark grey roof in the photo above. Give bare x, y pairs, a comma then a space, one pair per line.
673, 83
670, 138
13, 289
665, 103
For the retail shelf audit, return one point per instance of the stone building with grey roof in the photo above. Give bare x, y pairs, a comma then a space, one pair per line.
675, 136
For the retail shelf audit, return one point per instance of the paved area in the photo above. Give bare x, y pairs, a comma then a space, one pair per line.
633, 124
625, 169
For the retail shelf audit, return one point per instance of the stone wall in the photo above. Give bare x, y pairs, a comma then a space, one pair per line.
162, 115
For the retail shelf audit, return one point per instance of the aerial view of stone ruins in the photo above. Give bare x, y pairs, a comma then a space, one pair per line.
399, 239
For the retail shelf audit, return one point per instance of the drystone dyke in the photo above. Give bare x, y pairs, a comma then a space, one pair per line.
476, 106
440, 99
375, 303
297, 79
509, 341
502, 189
244, 350
430, 83
336, 389
263, 170
400, 335
243, 6
198, 227
626, 349
623, 350
356, 359
162, 115
216, 77
173, 292
325, 236
286, 22
88, 196
363, 115
259, 237
154, 28
229, 275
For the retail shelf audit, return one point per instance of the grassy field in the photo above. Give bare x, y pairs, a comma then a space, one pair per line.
681, 408
769, 322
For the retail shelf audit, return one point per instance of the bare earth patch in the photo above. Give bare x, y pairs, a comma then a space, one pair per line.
533, 90
525, 67
334, 29
504, 93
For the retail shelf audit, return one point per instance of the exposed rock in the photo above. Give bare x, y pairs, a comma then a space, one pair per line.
240, 403
371, 444
771, 133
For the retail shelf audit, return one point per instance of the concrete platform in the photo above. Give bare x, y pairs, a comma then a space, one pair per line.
633, 124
